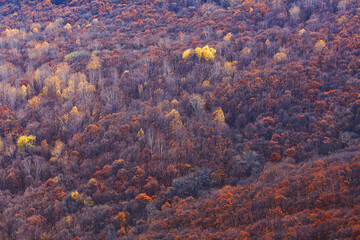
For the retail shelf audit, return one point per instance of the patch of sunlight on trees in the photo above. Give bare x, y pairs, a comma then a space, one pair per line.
206, 53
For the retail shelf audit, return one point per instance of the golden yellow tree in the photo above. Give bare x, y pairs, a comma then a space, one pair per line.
94, 67
26, 142
187, 53
280, 57
319, 46
140, 133
54, 84
67, 27
175, 123
219, 115
206, 53
57, 150
85, 90
62, 70
94, 63
227, 37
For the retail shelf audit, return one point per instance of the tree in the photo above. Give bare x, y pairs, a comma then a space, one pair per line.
94, 63
197, 103
175, 120
121, 217
187, 53
319, 46
143, 199
219, 115
207, 53
94, 67
26, 142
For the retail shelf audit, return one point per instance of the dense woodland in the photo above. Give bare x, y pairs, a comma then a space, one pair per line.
186, 119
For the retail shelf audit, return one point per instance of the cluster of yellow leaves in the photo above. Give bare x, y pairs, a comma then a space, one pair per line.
26, 142
319, 46
228, 36
77, 197
38, 50
34, 102
94, 63
24, 92
1, 145
140, 133
187, 53
245, 51
140, 89
43, 47
280, 57
67, 27
78, 86
267, 42
207, 53
229, 68
294, 12
219, 115
176, 122
54, 84
74, 111
57, 150
206, 83
14, 33
62, 70
174, 102
69, 221
92, 182
51, 27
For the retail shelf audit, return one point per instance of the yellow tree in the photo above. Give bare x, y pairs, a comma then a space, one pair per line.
38, 50
94, 67
187, 53
206, 53
85, 90
26, 142
175, 121
67, 27
34, 102
54, 85
94, 63
319, 46
229, 68
219, 116
57, 151
197, 103
62, 70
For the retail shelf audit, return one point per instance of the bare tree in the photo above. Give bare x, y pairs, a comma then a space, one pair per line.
150, 136
27, 166
160, 145
197, 103
38, 165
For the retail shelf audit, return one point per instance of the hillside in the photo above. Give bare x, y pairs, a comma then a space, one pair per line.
187, 119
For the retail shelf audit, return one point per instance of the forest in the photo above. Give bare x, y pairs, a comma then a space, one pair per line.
179, 119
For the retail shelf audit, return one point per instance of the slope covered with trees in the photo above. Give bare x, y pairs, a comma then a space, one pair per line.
182, 119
